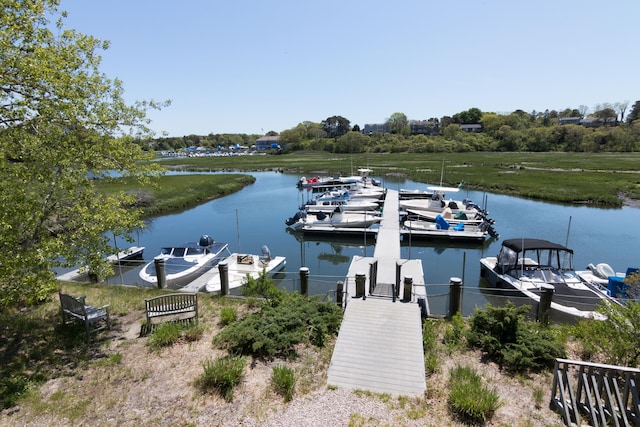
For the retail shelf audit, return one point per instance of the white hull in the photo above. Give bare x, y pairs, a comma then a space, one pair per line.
430, 229
241, 265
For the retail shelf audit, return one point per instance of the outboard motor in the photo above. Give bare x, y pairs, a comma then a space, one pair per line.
266, 254
295, 218
205, 240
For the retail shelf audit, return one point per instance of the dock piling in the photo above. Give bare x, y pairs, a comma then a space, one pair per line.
160, 272
223, 268
304, 281
455, 293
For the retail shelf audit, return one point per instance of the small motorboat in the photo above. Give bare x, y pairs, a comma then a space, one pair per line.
610, 282
441, 229
242, 266
184, 263
532, 266
339, 218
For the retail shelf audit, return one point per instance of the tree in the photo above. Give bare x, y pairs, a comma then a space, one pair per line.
335, 126
634, 114
470, 116
62, 123
621, 108
398, 124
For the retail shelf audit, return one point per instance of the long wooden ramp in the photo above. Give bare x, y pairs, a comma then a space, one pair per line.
379, 346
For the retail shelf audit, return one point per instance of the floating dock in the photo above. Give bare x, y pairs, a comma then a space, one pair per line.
134, 252
379, 346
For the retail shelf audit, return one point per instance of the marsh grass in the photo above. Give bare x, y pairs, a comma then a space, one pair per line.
469, 398
560, 177
221, 375
169, 333
228, 315
283, 379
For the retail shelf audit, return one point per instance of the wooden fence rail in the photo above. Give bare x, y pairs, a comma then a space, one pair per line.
602, 394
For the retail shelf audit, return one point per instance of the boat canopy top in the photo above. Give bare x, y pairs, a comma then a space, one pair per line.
518, 254
521, 245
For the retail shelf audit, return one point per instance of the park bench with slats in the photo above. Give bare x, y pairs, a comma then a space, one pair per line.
76, 309
182, 306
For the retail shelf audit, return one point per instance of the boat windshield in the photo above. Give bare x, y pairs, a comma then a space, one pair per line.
178, 252
195, 251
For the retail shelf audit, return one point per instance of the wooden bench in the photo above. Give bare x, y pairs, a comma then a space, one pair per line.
75, 309
183, 306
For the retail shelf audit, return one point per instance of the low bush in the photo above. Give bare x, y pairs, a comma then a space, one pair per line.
221, 375
512, 342
283, 380
276, 330
469, 398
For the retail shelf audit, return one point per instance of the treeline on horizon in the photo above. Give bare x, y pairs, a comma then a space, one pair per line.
517, 131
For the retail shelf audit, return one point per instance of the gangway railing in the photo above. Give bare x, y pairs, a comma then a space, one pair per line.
602, 394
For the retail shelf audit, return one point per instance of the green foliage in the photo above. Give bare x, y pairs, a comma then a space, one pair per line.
263, 287
617, 339
11, 389
168, 333
455, 332
221, 375
63, 123
469, 398
512, 342
283, 380
276, 330
430, 345
228, 315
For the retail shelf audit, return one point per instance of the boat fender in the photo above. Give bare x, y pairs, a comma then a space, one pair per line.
604, 270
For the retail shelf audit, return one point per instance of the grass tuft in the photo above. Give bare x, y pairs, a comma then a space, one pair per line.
221, 375
284, 380
469, 398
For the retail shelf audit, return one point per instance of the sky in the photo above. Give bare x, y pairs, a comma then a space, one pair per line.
251, 67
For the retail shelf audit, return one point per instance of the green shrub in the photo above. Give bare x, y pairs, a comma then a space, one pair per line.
512, 342
228, 315
430, 344
283, 380
276, 330
616, 338
164, 335
455, 332
169, 333
221, 375
469, 398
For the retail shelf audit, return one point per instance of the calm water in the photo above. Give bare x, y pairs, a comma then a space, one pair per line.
255, 216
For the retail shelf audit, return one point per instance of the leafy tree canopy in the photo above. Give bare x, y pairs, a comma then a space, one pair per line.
399, 124
62, 123
336, 126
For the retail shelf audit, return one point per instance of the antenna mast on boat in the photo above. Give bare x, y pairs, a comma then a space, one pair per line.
238, 228
566, 244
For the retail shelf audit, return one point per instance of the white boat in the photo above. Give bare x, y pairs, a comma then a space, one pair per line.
533, 265
184, 263
435, 230
239, 266
329, 206
336, 219
438, 201
459, 218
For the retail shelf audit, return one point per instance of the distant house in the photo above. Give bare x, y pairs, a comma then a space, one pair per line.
371, 129
473, 128
419, 127
592, 122
569, 120
267, 142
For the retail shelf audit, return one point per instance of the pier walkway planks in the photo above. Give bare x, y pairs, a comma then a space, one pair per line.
379, 346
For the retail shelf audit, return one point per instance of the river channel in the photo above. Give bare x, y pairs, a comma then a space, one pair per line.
255, 216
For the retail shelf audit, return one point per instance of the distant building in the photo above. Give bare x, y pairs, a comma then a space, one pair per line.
473, 128
592, 122
419, 127
371, 129
569, 120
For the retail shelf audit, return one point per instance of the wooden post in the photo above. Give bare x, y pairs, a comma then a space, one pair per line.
360, 280
223, 268
544, 306
339, 291
408, 288
455, 287
304, 281
161, 274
